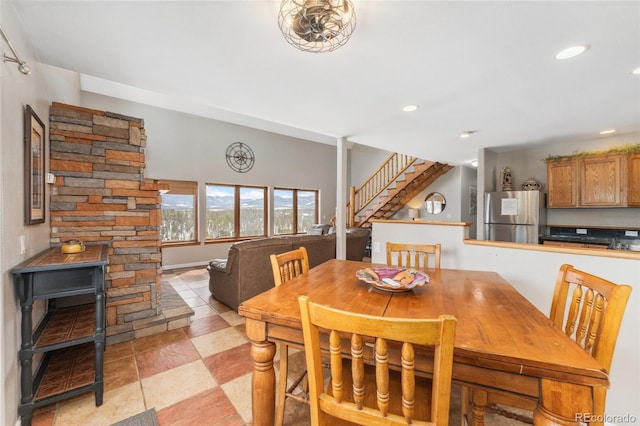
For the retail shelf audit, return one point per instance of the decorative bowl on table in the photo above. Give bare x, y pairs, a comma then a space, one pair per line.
392, 278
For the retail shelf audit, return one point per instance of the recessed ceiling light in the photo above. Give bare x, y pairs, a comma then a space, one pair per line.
636, 71
572, 51
410, 108
467, 133
608, 131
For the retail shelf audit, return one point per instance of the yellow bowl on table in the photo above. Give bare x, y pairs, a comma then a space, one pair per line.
72, 246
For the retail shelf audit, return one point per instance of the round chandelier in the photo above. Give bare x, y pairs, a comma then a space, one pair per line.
317, 25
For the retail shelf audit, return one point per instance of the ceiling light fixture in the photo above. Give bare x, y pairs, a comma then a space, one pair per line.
571, 52
467, 134
608, 132
410, 108
474, 163
22, 65
317, 25
636, 71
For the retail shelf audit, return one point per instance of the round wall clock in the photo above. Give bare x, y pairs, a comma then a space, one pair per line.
240, 157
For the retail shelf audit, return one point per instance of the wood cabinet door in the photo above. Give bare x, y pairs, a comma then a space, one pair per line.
633, 188
602, 183
562, 180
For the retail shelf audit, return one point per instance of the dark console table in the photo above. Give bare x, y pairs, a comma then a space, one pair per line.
71, 339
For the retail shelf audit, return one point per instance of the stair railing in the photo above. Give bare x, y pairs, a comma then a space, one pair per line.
359, 198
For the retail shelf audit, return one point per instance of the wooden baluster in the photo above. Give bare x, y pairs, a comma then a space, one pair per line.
382, 376
576, 298
585, 314
357, 370
594, 324
335, 348
408, 382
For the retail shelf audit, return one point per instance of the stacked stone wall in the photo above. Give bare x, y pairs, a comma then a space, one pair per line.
101, 196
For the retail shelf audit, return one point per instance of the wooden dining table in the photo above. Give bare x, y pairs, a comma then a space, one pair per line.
502, 342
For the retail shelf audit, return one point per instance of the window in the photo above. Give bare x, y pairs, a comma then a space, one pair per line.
179, 212
235, 211
294, 210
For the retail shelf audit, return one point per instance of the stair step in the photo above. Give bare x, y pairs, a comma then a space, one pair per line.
406, 187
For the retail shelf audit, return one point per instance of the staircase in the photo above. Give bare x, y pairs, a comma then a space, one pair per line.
408, 183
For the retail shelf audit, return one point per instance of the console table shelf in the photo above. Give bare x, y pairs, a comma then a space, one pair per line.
71, 339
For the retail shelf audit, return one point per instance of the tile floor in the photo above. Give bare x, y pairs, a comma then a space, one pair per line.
200, 374
196, 375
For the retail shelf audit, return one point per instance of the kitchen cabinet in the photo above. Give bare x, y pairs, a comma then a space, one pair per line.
562, 183
602, 182
633, 185
592, 181
70, 338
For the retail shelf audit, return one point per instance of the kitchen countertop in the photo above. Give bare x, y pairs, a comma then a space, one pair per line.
620, 254
616, 239
577, 239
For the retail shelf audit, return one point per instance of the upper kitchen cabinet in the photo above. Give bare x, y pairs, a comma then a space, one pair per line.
562, 183
606, 180
633, 187
602, 181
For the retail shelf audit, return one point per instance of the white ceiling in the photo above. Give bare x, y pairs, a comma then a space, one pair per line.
486, 66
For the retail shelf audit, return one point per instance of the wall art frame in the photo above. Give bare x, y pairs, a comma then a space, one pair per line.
34, 170
473, 199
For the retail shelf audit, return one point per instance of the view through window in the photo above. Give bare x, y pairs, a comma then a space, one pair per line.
179, 212
235, 211
294, 210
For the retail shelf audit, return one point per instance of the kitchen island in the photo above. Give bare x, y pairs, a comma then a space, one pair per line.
532, 269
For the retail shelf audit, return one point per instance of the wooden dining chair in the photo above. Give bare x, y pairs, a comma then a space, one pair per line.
286, 266
589, 309
413, 255
372, 395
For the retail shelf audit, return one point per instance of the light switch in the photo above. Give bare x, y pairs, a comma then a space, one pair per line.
376, 247
23, 245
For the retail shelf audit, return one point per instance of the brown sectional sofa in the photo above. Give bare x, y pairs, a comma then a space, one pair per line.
246, 271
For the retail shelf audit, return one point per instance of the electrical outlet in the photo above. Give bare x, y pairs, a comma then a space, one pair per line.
581, 231
630, 233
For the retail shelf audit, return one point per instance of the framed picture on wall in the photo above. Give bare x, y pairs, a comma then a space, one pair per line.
34, 179
473, 199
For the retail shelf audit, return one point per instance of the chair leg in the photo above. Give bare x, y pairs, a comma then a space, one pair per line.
478, 404
464, 406
282, 386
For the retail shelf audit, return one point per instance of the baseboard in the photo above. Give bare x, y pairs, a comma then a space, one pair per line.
184, 265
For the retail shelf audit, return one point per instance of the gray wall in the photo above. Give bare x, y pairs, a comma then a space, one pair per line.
186, 147
44, 85
364, 161
454, 185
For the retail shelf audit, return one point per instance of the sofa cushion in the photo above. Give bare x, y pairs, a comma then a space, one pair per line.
319, 229
320, 248
218, 265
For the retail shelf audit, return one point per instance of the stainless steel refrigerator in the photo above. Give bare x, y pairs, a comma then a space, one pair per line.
516, 216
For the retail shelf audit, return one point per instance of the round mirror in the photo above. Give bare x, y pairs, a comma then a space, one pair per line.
435, 203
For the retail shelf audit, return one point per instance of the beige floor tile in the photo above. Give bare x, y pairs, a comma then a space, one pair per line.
199, 284
218, 341
236, 391
166, 388
179, 285
187, 293
202, 312
232, 318
118, 404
